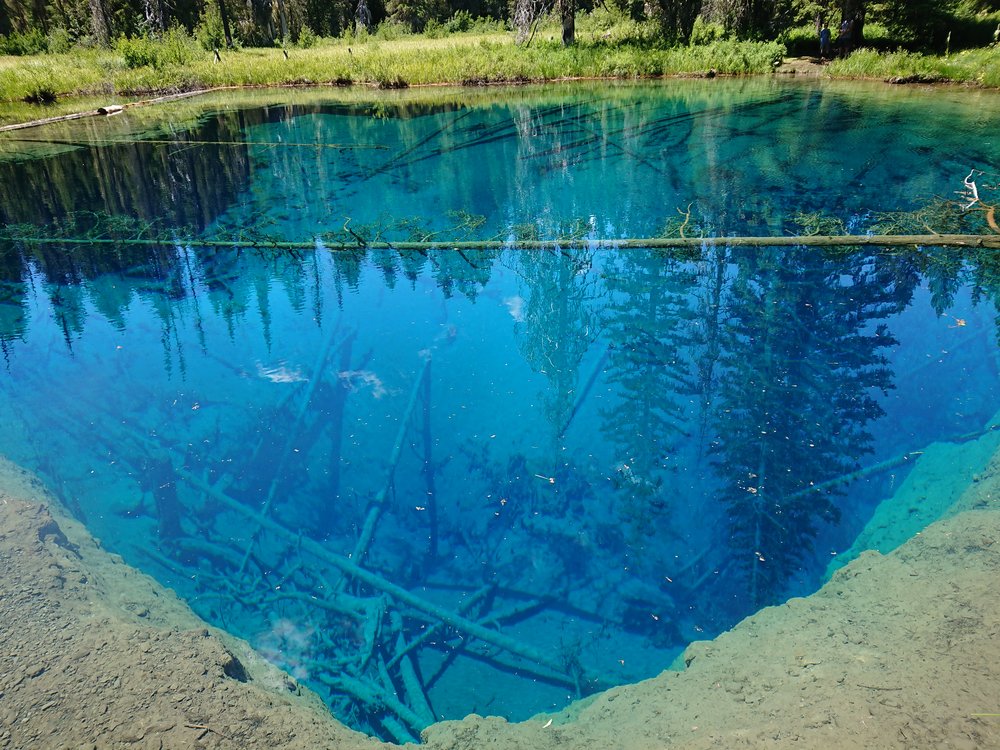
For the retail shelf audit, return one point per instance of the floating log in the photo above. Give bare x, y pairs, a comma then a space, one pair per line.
110, 109
645, 243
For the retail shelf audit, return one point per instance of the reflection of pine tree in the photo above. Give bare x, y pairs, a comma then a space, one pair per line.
558, 327
13, 295
799, 360
712, 275
648, 323
985, 272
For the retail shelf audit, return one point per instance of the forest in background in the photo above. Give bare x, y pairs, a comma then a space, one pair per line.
56, 26
52, 52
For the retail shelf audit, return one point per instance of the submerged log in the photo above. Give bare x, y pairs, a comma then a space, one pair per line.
891, 463
429, 470
378, 502
416, 695
378, 699
293, 432
349, 568
585, 391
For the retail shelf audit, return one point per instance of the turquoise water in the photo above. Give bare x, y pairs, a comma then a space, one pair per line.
431, 482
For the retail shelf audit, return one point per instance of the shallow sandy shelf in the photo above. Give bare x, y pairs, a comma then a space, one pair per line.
898, 651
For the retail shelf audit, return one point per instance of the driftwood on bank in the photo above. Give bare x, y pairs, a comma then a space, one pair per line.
111, 109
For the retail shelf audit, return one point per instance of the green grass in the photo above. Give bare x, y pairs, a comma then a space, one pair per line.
143, 68
980, 67
608, 46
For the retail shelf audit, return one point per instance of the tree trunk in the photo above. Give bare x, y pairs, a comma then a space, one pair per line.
855, 9
283, 16
687, 12
568, 11
156, 16
64, 16
225, 24
40, 16
99, 23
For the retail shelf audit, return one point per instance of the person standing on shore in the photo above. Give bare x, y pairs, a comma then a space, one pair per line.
825, 46
846, 37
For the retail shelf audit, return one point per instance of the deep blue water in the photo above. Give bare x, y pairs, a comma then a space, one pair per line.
599, 454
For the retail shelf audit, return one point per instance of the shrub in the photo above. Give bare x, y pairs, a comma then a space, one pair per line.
209, 32
355, 34
460, 22
39, 86
434, 29
41, 95
176, 48
307, 37
29, 43
390, 30
706, 33
136, 52
59, 41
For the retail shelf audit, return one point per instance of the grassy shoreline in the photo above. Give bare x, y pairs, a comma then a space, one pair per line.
85, 79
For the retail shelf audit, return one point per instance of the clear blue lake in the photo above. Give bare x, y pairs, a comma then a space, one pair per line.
430, 481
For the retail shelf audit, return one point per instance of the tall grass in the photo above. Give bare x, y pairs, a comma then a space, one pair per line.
609, 45
140, 67
977, 66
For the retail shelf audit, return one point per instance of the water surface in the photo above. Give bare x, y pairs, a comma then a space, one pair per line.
431, 482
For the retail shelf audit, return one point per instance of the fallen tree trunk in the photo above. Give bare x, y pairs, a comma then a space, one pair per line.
635, 243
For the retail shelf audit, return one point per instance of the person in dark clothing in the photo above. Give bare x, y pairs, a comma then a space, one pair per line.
845, 40
825, 45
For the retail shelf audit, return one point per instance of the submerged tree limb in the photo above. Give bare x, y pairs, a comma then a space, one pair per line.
633, 243
293, 433
891, 463
378, 502
378, 699
376, 581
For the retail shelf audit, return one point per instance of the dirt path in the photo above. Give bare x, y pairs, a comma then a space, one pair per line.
802, 66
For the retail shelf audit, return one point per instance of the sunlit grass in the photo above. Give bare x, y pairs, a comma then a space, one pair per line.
409, 61
977, 66
142, 68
